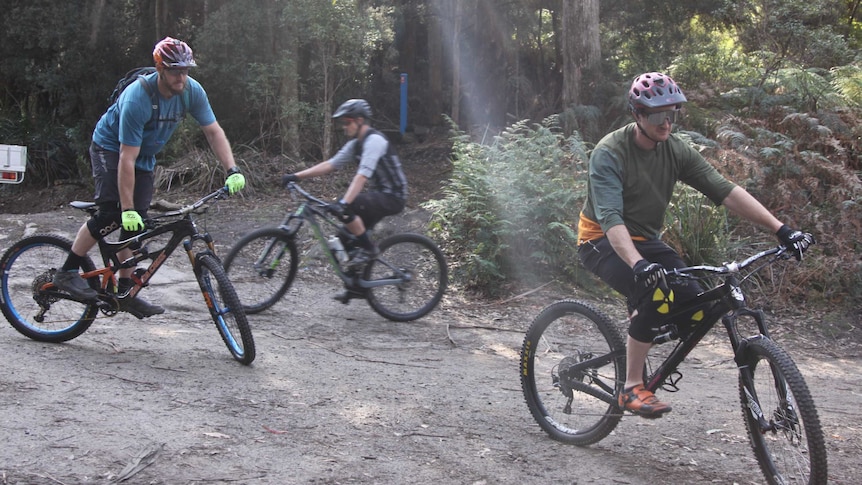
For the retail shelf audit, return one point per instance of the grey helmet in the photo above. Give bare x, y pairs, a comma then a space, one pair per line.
353, 108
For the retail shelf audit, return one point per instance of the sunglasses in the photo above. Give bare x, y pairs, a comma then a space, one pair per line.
657, 119
177, 71
347, 121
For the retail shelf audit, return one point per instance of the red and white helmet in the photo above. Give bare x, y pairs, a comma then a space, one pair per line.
170, 52
654, 90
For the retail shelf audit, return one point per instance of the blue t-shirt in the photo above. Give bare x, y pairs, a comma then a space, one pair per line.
126, 121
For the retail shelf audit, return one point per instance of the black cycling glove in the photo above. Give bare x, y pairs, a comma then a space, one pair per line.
798, 241
648, 274
286, 179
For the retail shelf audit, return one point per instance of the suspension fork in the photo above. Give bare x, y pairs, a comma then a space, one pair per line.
743, 362
189, 246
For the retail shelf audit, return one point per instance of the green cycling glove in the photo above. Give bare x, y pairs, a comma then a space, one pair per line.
132, 221
235, 182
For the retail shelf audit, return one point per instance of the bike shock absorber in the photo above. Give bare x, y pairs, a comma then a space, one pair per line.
136, 276
666, 334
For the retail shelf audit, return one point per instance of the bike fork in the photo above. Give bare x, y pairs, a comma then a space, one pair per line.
756, 412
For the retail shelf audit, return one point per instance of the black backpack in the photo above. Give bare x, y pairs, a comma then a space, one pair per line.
137, 74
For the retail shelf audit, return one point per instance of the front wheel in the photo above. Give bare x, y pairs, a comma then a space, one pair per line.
782, 423
262, 266
224, 307
417, 276
28, 298
572, 367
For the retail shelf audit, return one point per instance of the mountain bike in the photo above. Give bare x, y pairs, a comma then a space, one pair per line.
42, 312
403, 283
573, 367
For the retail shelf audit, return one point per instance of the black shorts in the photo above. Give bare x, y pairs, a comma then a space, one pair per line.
105, 176
599, 257
107, 193
372, 207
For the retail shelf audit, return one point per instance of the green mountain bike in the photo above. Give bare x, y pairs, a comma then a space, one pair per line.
404, 282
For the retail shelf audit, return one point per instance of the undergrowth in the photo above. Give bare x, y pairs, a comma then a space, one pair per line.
509, 210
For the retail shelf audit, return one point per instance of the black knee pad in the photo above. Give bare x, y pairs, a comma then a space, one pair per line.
106, 221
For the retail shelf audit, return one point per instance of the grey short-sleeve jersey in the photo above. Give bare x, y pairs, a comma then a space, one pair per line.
377, 161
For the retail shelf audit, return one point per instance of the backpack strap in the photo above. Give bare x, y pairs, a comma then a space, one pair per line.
154, 99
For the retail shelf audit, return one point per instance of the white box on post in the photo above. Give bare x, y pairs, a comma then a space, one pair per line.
13, 164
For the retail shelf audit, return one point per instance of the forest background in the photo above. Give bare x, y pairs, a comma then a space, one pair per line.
518, 91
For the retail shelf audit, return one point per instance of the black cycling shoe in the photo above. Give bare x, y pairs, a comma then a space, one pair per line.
72, 283
362, 257
349, 294
139, 307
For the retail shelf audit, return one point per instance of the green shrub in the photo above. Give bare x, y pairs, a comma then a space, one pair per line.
696, 228
510, 209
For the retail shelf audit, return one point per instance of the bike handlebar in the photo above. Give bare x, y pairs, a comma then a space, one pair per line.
778, 252
221, 193
294, 188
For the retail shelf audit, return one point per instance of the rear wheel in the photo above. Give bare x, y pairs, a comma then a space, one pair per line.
782, 422
225, 308
572, 367
262, 266
28, 298
417, 274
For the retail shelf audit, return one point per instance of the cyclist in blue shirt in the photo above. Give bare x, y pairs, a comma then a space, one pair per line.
123, 155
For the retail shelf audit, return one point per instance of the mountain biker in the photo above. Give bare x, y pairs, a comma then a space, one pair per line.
122, 154
377, 161
632, 173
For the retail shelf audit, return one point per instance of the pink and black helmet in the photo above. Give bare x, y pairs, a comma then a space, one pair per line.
654, 90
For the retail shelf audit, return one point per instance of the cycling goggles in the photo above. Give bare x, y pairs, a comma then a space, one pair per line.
657, 119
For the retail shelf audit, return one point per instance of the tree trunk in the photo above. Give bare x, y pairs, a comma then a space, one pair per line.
581, 48
435, 65
407, 49
96, 22
286, 46
457, 11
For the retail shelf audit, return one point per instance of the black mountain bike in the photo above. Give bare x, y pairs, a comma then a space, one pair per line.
404, 282
39, 310
573, 367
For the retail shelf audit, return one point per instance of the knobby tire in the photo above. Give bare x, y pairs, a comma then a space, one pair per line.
794, 451
572, 407
24, 269
225, 307
261, 287
413, 256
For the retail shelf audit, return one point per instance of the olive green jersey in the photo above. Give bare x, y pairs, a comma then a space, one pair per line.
632, 186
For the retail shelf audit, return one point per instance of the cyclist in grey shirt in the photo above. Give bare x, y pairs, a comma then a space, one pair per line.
378, 163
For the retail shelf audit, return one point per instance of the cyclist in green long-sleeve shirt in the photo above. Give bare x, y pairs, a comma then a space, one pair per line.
632, 174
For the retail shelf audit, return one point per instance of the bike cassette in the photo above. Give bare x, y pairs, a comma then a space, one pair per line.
566, 376
42, 298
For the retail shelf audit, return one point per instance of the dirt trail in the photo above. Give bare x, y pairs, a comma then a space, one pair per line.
340, 395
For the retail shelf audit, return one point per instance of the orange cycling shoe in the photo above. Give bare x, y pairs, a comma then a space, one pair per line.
642, 402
